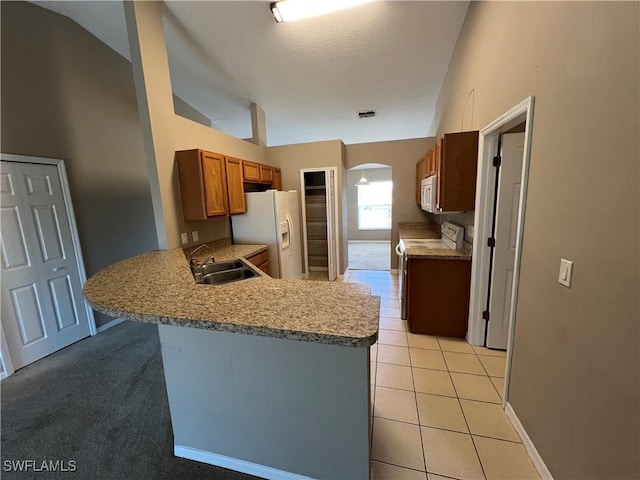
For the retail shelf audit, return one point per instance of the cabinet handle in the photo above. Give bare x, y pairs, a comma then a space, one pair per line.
398, 251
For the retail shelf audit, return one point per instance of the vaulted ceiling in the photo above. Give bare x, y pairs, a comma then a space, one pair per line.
311, 77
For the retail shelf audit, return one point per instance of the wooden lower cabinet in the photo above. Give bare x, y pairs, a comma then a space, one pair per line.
438, 296
261, 260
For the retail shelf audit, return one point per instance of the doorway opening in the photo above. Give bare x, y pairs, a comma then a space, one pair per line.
499, 217
321, 251
369, 209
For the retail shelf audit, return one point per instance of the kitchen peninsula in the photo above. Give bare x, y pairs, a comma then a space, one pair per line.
264, 376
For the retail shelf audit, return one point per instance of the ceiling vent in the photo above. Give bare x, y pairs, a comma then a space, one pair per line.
367, 114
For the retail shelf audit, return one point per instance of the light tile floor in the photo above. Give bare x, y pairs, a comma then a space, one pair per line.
436, 402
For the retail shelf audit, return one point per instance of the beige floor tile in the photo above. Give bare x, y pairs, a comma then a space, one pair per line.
441, 412
423, 341
396, 324
474, 387
423, 358
394, 376
384, 471
488, 420
390, 302
392, 337
397, 443
433, 476
499, 384
390, 312
463, 363
391, 295
490, 353
495, 366
394, 404
504, 460
451, 454
437, 382
459, 345
394, 355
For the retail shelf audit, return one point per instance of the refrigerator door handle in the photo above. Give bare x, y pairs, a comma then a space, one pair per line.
292, 238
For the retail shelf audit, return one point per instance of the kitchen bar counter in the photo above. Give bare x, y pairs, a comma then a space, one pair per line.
158, 287
273, 377
415, 230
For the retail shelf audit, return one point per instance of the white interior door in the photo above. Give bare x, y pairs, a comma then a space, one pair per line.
507, 203
42, 305
331, 224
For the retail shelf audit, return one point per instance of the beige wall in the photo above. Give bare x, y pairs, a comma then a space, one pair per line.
67, 95
372, 175
575, 374
293, 158
164, 132
401, 156
183, 109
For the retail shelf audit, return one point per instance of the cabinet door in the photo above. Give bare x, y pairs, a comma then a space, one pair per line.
277, 179
191, 184
235, 188
266, 173
457, 173
215, 184
419, 180
251, 171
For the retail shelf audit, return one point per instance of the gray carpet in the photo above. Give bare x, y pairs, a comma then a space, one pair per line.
369, 256
102, 403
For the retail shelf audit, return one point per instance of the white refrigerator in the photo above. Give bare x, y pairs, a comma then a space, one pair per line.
272, 219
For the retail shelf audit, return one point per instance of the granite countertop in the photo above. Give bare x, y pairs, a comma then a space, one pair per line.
412, 230
158, 287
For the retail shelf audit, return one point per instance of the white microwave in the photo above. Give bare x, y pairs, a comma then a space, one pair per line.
428, 194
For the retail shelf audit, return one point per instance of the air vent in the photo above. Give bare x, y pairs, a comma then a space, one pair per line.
367, 114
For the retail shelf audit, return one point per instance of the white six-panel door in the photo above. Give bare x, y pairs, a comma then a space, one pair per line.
504, 254
42, 305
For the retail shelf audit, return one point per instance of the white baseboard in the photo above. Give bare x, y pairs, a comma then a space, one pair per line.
535, 457
112, 323
243, 466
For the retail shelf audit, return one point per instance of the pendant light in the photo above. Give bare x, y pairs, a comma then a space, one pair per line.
363, 181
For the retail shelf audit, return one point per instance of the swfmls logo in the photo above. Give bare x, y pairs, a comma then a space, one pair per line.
39, 466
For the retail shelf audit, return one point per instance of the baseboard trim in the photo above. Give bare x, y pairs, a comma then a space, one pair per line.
235, 464
535, 457
112, 323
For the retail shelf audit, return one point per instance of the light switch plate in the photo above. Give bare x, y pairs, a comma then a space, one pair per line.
566, 270
184, 237
194, 235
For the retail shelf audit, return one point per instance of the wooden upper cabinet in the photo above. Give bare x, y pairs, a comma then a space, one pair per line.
251, 171
235, 190
266, 173
277, 179
420, 167
215, 184
203, 184
456, 167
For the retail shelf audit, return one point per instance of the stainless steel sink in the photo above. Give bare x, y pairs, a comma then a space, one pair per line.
219, 278
218, 273
219, 267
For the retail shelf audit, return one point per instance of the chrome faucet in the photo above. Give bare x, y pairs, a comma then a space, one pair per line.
192, 262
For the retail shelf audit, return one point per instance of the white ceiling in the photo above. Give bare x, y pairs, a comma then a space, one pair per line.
311, 77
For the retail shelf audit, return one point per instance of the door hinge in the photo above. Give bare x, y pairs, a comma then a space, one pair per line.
491, 242
497, 161
486, 315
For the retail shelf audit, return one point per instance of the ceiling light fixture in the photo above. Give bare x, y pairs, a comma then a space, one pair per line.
363, 181
291, 10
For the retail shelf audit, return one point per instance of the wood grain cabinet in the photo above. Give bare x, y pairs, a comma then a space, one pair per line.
266, 173
277, 179
235, 187
251, 171
261, 260
453, 159
204, 179
438, 296
456, 165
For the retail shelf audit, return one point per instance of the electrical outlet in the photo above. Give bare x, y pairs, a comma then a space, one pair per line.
566, 270
184, 237
194, 235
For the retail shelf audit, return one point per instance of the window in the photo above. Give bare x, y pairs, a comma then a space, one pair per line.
374, 206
